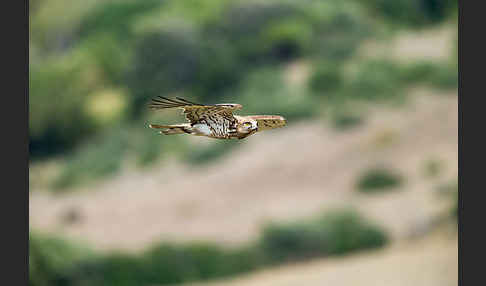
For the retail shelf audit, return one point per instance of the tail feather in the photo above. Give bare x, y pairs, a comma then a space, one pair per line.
171, 129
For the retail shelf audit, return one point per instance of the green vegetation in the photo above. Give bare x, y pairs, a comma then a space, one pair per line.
332, 234
264, 91
345, 121
94, 65
326, 79
378, 180
442, 76
433, 168
50, 258
378, 79
104, 155
140, 48
413, 13
56, 262
374, 80
451, 190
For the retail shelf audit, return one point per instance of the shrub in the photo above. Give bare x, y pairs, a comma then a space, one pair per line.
433, 168
196, 261
164, 62
451, 190
220, 69
414, 13
286, 39
101, 157
58, 91
50, 259
374, 80
417, 72
327, 77
444, 76
345, 121
264, 91
338, 36
110, 54
104, 155
245, 24
115, 17
52, 262
378, 179
149, 150
331, 234
265, 32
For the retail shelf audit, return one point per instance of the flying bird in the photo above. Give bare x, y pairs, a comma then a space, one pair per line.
214, 120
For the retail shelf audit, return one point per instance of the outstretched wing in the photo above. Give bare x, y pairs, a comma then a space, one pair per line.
196, 112
267, 122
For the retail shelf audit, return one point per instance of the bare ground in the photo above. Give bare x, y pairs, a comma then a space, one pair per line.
292, 172
431, 44
296, 171
428, 262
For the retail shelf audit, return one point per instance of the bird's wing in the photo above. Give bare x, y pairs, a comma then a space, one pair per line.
267, 122
196, 112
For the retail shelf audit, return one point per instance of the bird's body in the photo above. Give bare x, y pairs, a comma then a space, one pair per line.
214, 121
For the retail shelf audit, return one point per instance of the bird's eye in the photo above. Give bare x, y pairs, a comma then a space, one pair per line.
247, 124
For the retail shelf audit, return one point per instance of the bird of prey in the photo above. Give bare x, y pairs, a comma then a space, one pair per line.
214, 120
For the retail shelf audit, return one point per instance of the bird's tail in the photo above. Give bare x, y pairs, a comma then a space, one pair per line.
172, 129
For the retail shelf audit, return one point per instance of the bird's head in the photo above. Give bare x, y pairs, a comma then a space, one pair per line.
248, 126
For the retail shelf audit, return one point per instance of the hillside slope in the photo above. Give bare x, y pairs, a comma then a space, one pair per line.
428, 262
282, 174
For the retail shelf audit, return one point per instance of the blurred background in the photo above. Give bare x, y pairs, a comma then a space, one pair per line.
359, 189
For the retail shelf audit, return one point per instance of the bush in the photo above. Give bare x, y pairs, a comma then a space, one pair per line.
115, 18
110, 54
433, 168
104, 155
161, 264
417, 72
345, 121
326, 78
149, 150
245, 24
266, 32
374, 80
377, 180
338, 36
331, 234
50, 259
58, 91
101, 157
220, 69
414, 13
444, 76
164, 62
194, 262
450, 190
264, 91
54, 263
286, 39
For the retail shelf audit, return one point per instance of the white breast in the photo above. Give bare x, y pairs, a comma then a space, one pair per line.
202, 129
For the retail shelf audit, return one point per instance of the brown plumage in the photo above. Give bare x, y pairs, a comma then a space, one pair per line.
214, 120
